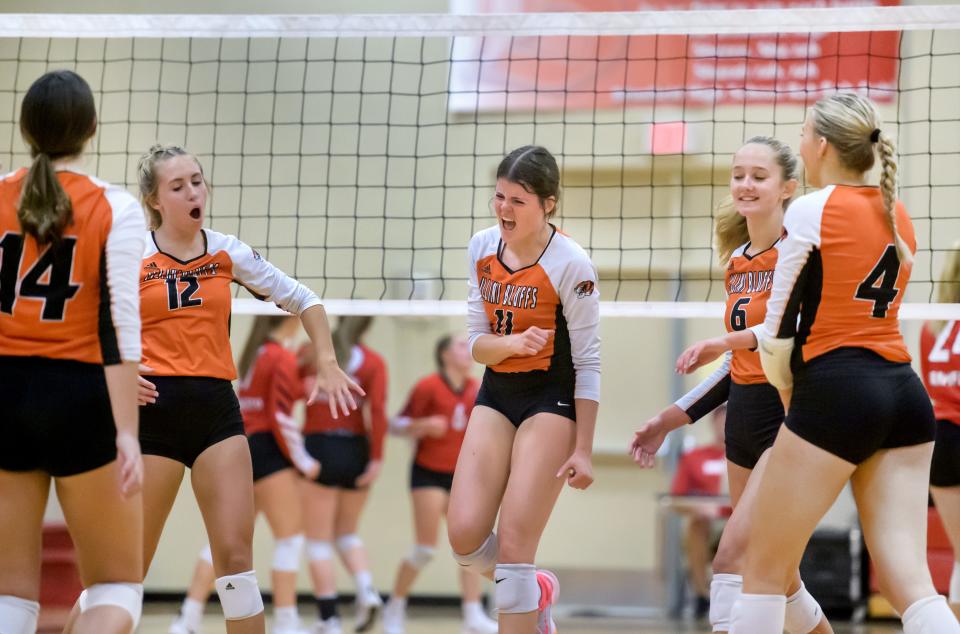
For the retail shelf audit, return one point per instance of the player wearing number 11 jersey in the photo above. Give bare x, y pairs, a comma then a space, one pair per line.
533, 317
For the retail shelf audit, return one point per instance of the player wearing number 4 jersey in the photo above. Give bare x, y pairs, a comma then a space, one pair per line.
69, 347
533, 317
763, 180
190, 415
857, 411
940, 364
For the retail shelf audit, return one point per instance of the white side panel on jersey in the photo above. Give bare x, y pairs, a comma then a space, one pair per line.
261, 277
575, 279
124, 253
803, 236
482, 244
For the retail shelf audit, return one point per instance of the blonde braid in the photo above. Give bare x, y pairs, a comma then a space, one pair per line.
888, 187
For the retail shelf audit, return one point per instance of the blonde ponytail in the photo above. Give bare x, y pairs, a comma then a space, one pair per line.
731, 229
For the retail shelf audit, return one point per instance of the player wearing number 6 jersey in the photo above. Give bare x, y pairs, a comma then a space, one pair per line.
940, 364
857, 411
533, 317
435, 417
763, 180
69, 347
190, 415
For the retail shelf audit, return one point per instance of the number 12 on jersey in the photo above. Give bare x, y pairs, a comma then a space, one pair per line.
177, 298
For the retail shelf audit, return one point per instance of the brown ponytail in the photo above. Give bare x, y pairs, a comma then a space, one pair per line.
57, 118
263, 325
349, 331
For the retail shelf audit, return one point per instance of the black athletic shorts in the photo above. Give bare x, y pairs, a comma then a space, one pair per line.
55, 416
266, 455
945, 470
754, 416
192, 413
421, 478
520, 395
852, 402
342, 457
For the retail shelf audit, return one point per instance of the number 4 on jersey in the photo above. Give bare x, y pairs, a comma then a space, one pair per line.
878, 286
48, 279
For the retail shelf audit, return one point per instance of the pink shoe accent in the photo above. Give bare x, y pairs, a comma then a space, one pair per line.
549, 589
549, 593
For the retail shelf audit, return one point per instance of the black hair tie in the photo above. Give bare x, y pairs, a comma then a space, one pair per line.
875, 135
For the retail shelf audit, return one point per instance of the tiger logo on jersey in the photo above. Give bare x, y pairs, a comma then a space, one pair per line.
584, 289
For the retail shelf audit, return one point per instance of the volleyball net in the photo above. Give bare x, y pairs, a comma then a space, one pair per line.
358, 152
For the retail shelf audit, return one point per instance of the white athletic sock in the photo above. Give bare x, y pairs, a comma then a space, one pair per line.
473, 611
396, 605
364, 580
286, 616
758, 614
930, 616
192, 611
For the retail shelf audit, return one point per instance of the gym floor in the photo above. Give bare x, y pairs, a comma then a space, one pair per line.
443, 620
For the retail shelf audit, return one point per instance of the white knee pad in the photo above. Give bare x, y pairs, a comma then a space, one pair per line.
18, 616
128, 596
286, 553
483, 559
724, 591
206, 554
420, 556
955, 584
758, 614
931, 615
319, 551
347, 543
239, 595
803, 612
516, 590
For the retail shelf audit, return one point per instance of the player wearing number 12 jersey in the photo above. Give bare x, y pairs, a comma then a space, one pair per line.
533, 318
190, 415
857, 411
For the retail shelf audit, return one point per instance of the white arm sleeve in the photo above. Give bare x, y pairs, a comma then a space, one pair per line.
776, 343
580, 296
124, 255
477, 323
266, 281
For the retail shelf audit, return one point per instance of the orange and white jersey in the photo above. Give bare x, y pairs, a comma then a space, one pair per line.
76, 299
558, 292
185, 306
839, 272
940, 365
748, 283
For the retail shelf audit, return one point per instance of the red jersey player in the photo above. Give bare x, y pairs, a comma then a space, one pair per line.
435, 417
